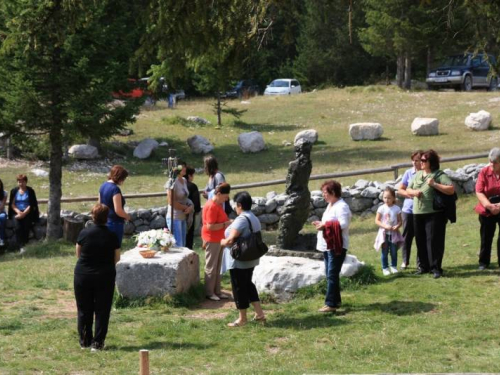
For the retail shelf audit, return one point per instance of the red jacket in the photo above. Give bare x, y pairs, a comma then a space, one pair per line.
332, 233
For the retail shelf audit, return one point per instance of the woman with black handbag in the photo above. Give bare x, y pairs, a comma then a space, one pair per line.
244, 290
429, 222
488, 208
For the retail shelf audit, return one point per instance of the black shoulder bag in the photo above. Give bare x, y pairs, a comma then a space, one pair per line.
249, 248
446, 203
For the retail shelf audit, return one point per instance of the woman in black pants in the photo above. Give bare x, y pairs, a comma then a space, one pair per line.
429, 223
23, 208
244, 290
98, 251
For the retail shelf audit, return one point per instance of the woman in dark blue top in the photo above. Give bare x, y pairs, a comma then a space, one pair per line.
3, 216
23, 208
111, 196
98, 251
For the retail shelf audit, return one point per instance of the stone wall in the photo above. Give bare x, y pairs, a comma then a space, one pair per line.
364, 197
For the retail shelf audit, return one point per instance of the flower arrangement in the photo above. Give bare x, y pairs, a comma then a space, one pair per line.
155, 239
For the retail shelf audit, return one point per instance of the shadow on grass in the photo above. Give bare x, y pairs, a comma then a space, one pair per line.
189, 299
400, 308
40, 250
469, 270
264, 127
6, 328
158, 345
307, 322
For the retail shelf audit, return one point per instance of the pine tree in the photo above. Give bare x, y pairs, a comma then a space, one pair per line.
60, 61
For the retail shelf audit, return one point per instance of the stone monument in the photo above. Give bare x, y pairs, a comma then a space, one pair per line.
295, 211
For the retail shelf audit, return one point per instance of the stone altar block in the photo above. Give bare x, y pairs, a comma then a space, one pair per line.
167, 273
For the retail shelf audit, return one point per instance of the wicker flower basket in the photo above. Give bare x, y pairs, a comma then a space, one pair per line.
147, 253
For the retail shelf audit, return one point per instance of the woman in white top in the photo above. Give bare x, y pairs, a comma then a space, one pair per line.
336, 211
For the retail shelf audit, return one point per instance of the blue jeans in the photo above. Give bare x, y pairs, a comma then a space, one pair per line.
117, 228
333, 266
3, 219
387, 247
179, 229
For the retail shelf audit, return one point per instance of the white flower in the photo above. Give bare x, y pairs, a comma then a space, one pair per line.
155, 237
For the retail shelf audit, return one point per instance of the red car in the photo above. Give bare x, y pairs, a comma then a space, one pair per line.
138, 88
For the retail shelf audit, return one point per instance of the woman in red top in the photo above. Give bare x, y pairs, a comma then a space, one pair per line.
488, 208
215, 221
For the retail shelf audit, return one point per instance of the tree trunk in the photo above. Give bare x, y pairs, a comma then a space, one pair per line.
407, 83
96, 143
54, 227
387, 79
400, 70
10, 148
219, 110
429, 60
72, 228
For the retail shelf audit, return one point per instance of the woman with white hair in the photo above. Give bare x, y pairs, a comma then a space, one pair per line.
488, 208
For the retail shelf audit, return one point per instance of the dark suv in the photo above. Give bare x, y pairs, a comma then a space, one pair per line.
464, 72
246, 87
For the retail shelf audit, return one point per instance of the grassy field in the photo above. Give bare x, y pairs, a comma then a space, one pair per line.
403, 323
398, 324
279, 118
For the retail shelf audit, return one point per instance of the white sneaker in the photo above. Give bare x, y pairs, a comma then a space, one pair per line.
403, 266
22, 250
386, 271
394, 270
2, 243
214, 298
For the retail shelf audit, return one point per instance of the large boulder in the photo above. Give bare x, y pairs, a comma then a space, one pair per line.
198, 120
40, 172
83, 152
251, 142
478, 121
360, 204
145, 148
310, 135
283, 276
166, 274
365, 131
158, 222
425, 126
199, 145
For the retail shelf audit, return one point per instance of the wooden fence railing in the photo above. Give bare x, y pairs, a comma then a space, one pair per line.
393, 168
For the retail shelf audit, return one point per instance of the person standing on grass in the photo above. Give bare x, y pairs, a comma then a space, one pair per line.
407, 210
388, 239
215, 177
3, 216
215, 221
23, 208
194, 196
488, 208
111, 196
182, 206
98, 251
430, 224
244, 290
333, 241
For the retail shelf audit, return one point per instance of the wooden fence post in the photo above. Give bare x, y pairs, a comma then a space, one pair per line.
143, 362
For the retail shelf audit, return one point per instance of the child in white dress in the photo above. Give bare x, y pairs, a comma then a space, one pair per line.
388, 237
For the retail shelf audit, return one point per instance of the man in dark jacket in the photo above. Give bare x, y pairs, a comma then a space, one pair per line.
23, 207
